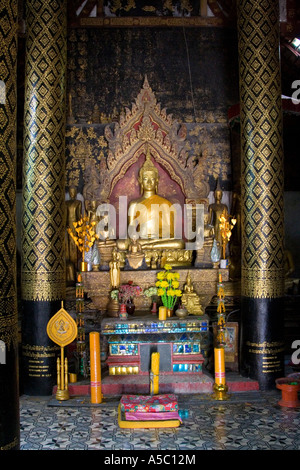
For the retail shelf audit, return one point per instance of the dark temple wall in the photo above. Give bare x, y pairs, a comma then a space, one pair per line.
192, 71
107, 67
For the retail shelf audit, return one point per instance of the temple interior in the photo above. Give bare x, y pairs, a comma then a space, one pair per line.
149, 225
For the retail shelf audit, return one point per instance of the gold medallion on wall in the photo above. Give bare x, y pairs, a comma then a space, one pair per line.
262, 151
43, 258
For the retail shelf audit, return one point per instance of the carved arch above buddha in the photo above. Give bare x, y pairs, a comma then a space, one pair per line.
144, 126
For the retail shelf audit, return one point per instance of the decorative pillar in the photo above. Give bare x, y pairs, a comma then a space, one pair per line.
9, 378
43, 211
262, 341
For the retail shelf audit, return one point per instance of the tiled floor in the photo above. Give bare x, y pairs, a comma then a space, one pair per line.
247, 421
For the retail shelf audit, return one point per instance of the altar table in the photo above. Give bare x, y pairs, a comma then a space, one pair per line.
182, 344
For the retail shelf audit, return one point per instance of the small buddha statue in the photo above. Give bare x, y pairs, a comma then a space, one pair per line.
209, 230
215, 211
190, 299
135, 255
73, 214
92, 211
104, 229
114, 270
203, 253
151, 216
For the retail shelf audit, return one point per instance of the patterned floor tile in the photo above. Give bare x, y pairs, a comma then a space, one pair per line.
206, 425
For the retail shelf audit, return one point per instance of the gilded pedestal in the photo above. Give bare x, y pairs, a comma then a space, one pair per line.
97, 285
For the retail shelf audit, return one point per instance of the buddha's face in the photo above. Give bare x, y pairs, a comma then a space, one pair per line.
218, 195
72, 192
149, 180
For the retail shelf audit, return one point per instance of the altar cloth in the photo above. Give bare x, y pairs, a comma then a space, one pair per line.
138, 416
148, 411
149, 403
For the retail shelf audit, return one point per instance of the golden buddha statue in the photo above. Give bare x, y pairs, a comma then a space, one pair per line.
215, 211
190, 299
135, 255
203, 257
73, 214
92, 211
151, 217
114, 270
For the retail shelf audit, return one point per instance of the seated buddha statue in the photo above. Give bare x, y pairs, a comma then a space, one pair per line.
151, 217
190, 299
135, 255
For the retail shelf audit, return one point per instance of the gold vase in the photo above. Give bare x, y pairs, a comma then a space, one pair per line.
169, 312
83, 266
113, 308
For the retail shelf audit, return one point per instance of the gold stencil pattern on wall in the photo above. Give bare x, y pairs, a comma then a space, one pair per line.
43, 255
8, 70
262, 149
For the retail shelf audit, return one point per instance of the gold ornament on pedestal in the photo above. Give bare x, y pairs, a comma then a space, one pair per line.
62, 330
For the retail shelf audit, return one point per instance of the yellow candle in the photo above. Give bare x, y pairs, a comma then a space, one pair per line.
162, 313
95, 367
220, 366
154, 373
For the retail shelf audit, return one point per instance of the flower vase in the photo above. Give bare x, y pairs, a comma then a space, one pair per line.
123, 313
169, 312
181, 312
154, 308
130, 307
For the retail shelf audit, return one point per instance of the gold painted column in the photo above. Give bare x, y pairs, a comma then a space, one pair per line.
43, 211
262, 182
9, 378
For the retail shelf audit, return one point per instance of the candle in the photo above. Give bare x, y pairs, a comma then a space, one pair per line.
72, 377
95, 366
162, 313
220, 278
220, 366
154, 373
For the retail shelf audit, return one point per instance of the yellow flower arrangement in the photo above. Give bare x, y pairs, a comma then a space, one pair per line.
168, 286
83, 234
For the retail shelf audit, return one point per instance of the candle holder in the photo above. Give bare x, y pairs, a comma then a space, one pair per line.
220, 392
220, 388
